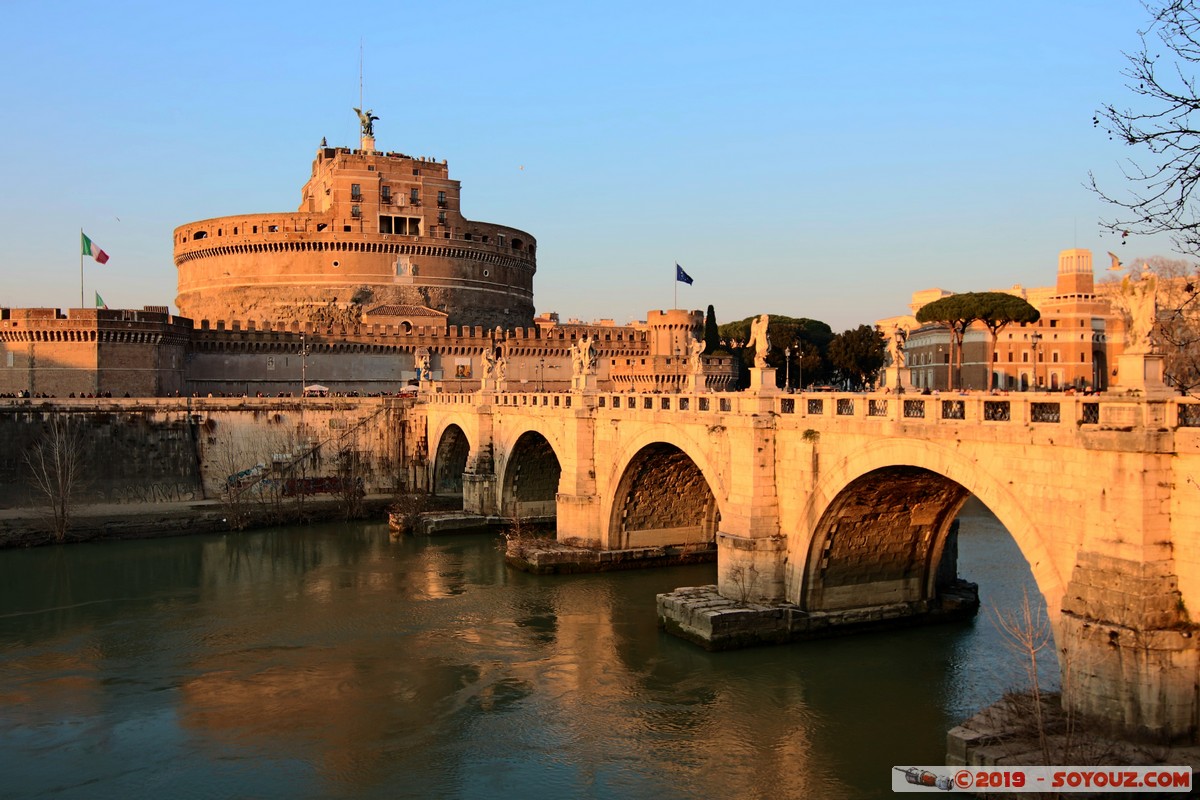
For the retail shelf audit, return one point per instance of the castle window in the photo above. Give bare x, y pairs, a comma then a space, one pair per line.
255, 229
386, 193
441, 199
385, 224
485, 239
235, 231
346, 229
1053, 323
320, 227
516, 244
487, 273
355, 191
356, 211
414, 196
272, 229
1054, 357
467, 236
416, 172
200, 235
441, 218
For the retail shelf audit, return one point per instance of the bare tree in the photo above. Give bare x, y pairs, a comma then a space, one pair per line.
56, 465
1026, 632
1159, 195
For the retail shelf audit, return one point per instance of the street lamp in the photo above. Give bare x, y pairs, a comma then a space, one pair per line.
1034, 339
787, 368
303, 365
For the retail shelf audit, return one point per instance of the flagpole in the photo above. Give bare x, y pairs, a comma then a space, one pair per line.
81, 305
676, 276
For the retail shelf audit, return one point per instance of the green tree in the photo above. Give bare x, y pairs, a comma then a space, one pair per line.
858, 354
998, 310
712, 334
955, 313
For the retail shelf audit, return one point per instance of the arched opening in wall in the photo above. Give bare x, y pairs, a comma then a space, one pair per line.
905, 535
881, 539
450, 462
530, 487
663, 499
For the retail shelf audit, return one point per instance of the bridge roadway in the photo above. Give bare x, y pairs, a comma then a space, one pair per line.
844, 501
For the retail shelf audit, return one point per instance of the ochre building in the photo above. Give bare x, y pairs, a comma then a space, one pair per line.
373, 230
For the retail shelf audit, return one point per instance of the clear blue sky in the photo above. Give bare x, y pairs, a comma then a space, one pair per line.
810, 159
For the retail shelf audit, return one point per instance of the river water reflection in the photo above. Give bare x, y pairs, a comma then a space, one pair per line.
327, 661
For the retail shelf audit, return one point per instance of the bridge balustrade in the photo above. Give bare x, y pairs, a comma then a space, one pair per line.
954, 409
972, 408
1189, 415
1044, 412
997, 411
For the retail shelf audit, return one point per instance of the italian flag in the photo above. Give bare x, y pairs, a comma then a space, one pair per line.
90, 249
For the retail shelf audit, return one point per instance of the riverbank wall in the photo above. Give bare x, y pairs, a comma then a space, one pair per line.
199, 460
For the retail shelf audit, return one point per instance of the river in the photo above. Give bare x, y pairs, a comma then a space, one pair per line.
330, 662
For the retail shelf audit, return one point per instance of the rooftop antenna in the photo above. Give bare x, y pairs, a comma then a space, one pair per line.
360, 71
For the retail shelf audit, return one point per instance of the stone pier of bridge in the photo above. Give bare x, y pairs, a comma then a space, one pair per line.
839, 506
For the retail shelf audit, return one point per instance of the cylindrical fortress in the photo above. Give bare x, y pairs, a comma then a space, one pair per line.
374, 231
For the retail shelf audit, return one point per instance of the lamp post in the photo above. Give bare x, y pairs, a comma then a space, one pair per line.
787, 368
303, 365
1034, 339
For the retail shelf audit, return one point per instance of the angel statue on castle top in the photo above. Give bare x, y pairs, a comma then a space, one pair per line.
367, 118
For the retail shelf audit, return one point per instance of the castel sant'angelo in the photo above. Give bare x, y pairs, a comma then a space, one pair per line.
374, 230
378, 281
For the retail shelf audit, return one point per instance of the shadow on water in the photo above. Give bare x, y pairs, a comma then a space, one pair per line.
329, 661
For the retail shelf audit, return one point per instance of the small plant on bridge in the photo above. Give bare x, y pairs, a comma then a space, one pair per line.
744, 579
522, 539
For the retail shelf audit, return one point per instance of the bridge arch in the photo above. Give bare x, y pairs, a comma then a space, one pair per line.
889, 504
450, 461
662, 498
531, 473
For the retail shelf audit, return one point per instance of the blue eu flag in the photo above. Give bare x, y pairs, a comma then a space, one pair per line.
682, 276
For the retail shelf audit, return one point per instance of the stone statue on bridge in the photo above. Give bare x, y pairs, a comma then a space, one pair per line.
695, 361
583, 357
1140, 298
489, 364
501, 369
760, 341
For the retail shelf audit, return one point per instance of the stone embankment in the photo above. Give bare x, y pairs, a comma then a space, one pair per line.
29, 527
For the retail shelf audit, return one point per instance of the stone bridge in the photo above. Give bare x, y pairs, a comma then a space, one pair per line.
827, 502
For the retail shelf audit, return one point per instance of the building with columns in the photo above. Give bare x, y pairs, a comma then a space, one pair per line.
1073, 346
